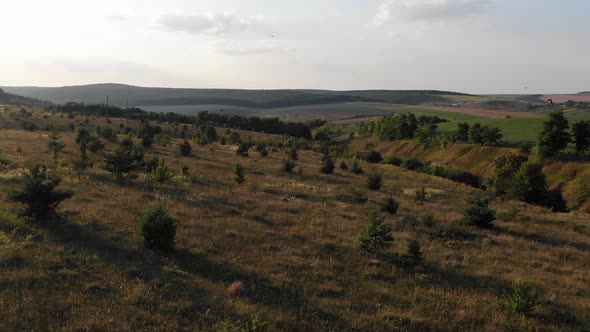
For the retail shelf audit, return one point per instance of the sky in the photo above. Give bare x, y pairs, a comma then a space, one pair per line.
474, 46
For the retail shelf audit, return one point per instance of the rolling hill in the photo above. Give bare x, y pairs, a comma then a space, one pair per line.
122, 95
12, 99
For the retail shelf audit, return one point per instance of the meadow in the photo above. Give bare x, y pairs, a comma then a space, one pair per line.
278, 252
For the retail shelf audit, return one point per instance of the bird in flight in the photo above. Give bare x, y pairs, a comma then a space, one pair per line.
271, 35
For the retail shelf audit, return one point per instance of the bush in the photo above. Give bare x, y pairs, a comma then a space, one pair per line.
375, 181
327, 165
477, 212
292, 153
389, 205
185, 149
393, 160
377, 235
124, 160
413, 164
288, 165
158, 229
239, 174
161, 173
184, 169
427, 220
520, 299
372, 157
39, 194
420, 196
356, 168
414, 251
343, 165
243, 149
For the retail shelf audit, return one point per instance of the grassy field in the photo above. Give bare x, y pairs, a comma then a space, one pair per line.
276, 253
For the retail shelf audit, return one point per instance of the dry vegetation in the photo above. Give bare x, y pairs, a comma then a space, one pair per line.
277, 253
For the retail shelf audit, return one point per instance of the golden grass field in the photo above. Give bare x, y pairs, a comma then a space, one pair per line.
276, 253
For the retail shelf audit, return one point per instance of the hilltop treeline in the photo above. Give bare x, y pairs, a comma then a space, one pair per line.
251, 123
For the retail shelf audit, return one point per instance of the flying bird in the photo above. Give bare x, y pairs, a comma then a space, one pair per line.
271, 35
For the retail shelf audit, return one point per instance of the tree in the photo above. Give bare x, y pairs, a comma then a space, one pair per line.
462, 132
292, 153
327, 165
390, 205
529, 184
477, 212
288, 165
161, 173
185, 148
124, 160
554, 136
491, 135
475, 134
420, 196
414, 251
243, 149
356, 168
55, 145
377, 234
158, 229
343, 165
581, 133
184, 170
83, 138
39, 194
505, 169
239, 174
375, 181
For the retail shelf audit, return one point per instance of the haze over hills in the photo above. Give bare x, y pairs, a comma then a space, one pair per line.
122, 95
13, 99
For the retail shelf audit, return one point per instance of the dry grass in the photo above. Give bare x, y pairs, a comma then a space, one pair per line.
279, 249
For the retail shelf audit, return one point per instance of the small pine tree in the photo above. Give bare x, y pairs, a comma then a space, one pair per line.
375, 181
185, 149
477, 212
292, 153
343, 165
184, 170
239, 174
414, 251
161, 173
377, 235
124, 160
222, 141
39, 194
389, 205
327, 165
243, 149
356, 168
288, 165
55, 145
158, 229
421, 196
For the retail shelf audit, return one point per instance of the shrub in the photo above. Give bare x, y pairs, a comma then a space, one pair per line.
420, 196
477, 212
39, 194
288, 165
239, 174
377, 235
343, 165
158, 229
375, 181
126, 159
55, 145
389, 205
185, 149
356, 168
327, 165
292, 153
243, 149
427, 220
413, 164
161, 173
413, 251
373, 157
184, 169
393, 160
520, 299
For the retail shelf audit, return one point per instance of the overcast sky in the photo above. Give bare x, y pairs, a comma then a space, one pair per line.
476, 46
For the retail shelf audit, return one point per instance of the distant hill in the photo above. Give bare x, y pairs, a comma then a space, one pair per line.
13, 99
123, 95
587, 93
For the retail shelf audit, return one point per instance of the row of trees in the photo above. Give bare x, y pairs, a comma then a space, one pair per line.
556, 135
477, 134
405, 126
251, 123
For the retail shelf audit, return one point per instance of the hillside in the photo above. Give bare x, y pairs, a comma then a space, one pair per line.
573, 178
279, 252
122, 95
12, 99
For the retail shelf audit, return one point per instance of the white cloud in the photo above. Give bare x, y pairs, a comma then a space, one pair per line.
426, 10
210, 23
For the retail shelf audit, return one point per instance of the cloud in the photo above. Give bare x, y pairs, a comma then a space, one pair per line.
210, 23
426, 10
